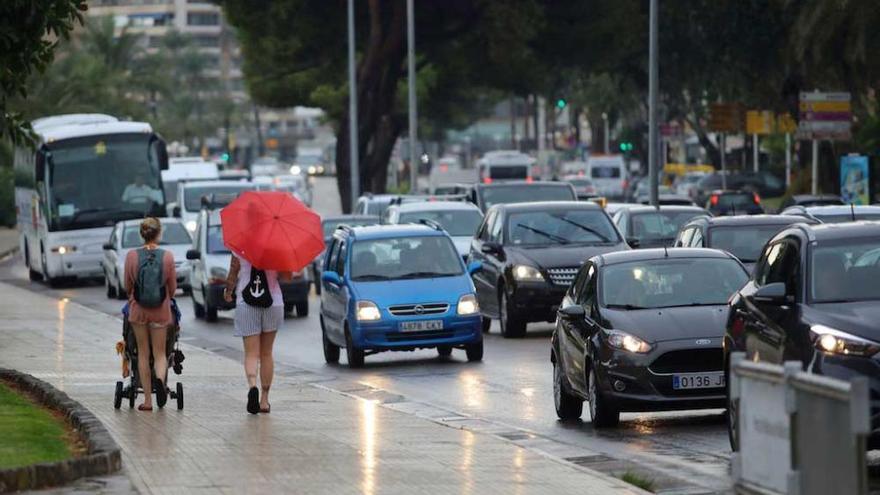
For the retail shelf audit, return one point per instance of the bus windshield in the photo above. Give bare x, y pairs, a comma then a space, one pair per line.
97, 181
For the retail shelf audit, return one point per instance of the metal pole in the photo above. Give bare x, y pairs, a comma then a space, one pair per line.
411, 80
787, 159
815, 188
352, 113
755, 151
723, 161
652, 106
605, 121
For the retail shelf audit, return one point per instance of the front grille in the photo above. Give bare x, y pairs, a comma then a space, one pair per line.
689, 361
563, 276
426, 335
419, 309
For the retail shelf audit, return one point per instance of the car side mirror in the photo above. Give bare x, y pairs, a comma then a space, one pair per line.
331, 278
771, 293
193, 254
107, 246
633, 242
175, 212
573, 312
474, 266
491, 248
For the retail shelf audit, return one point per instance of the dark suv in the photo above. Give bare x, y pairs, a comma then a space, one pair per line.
813, 298
530, 253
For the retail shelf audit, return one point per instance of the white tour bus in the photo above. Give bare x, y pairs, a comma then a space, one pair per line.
505, 165
85, 173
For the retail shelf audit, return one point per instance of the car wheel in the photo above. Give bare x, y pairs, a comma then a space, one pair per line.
331, 350
210, 313
474, 351
354, 355
511, 324
444, 350
317, 282
111, 289
486, 324
602, 413
33, 275
732, 422
120, 294
288, 309
302, 309
568, 407
198, 309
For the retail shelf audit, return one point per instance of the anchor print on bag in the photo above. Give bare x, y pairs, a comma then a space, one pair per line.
256, 292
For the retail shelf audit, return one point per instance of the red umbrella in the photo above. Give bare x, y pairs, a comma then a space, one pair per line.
272, 230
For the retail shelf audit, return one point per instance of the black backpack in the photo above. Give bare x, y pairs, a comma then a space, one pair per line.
149, 287
256, 292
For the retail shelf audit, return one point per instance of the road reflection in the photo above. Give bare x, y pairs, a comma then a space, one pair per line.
59, 341
368, 446
467, 459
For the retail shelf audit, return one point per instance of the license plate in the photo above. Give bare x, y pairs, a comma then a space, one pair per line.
688, 381
421, 326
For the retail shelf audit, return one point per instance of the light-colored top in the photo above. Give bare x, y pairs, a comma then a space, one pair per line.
244, 277
141, 194
162, 313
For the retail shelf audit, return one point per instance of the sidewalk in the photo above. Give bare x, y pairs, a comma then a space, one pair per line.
315, 440
8, 241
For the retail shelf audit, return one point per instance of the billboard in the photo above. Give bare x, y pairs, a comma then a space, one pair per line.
854, 179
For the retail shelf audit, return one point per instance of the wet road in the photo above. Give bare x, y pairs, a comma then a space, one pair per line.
512, 385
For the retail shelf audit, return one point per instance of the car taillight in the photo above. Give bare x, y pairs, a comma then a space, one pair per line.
737, 326
756, 198
444, 168
529, 180
487, 180
714, 200
625, 184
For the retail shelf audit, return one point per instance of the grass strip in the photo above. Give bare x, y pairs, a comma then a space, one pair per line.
30, 433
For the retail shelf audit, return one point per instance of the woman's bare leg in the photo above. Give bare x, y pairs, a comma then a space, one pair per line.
142, 335
267, 366
158, 336
251, 358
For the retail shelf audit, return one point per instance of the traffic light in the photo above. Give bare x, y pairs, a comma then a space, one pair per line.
225, 157
561, 103
626, 146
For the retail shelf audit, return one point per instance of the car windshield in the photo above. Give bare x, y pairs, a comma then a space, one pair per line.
172, 233
215, 240
541, 228
455, 222
605, 171
525, 193
404, 258
509, 171
847, 217
743, 241
656, 225
192, 196
670, 282
580, 182
845, 271
735, 200
328, 226
308, 159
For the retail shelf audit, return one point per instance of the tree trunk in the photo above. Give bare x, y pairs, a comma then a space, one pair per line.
378, 73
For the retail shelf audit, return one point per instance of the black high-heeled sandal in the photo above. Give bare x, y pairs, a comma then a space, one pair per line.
253, 402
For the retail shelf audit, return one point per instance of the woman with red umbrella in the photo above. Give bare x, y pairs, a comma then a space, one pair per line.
270, 234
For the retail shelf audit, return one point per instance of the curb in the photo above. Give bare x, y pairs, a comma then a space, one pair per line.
104, 456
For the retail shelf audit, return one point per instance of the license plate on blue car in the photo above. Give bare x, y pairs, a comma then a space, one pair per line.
420, 326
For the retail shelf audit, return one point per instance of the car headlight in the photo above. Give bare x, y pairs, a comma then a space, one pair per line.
467, 305
626, 342
191, 226
64, 249
321, 169
313, 170
367, 311
295, 170
526, 273
834, 341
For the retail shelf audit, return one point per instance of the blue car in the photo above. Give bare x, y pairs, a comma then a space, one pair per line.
397, 288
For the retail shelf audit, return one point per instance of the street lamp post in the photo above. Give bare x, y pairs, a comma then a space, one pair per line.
605, 130
652, 106
411, 80
352, 112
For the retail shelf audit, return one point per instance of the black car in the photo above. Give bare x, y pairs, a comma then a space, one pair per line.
530, 253
814, 298
487, 195
763, 183
722, 203
835, 213
743, 237
328, 225
811, 200
642, 331
648, 227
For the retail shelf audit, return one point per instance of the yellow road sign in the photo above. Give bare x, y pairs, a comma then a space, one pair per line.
759, 122
785, 123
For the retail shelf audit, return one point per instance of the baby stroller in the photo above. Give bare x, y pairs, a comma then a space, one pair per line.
130, 356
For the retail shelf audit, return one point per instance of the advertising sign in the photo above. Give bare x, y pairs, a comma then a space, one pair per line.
825, 116
854, 179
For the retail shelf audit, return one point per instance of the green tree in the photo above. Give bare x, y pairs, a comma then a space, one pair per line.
29, 34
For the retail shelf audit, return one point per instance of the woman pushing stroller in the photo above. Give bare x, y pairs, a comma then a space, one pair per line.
151, 281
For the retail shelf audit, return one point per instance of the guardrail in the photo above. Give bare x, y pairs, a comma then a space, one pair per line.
798, 433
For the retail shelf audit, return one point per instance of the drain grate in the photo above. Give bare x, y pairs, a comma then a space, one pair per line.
588, 460
515, 435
